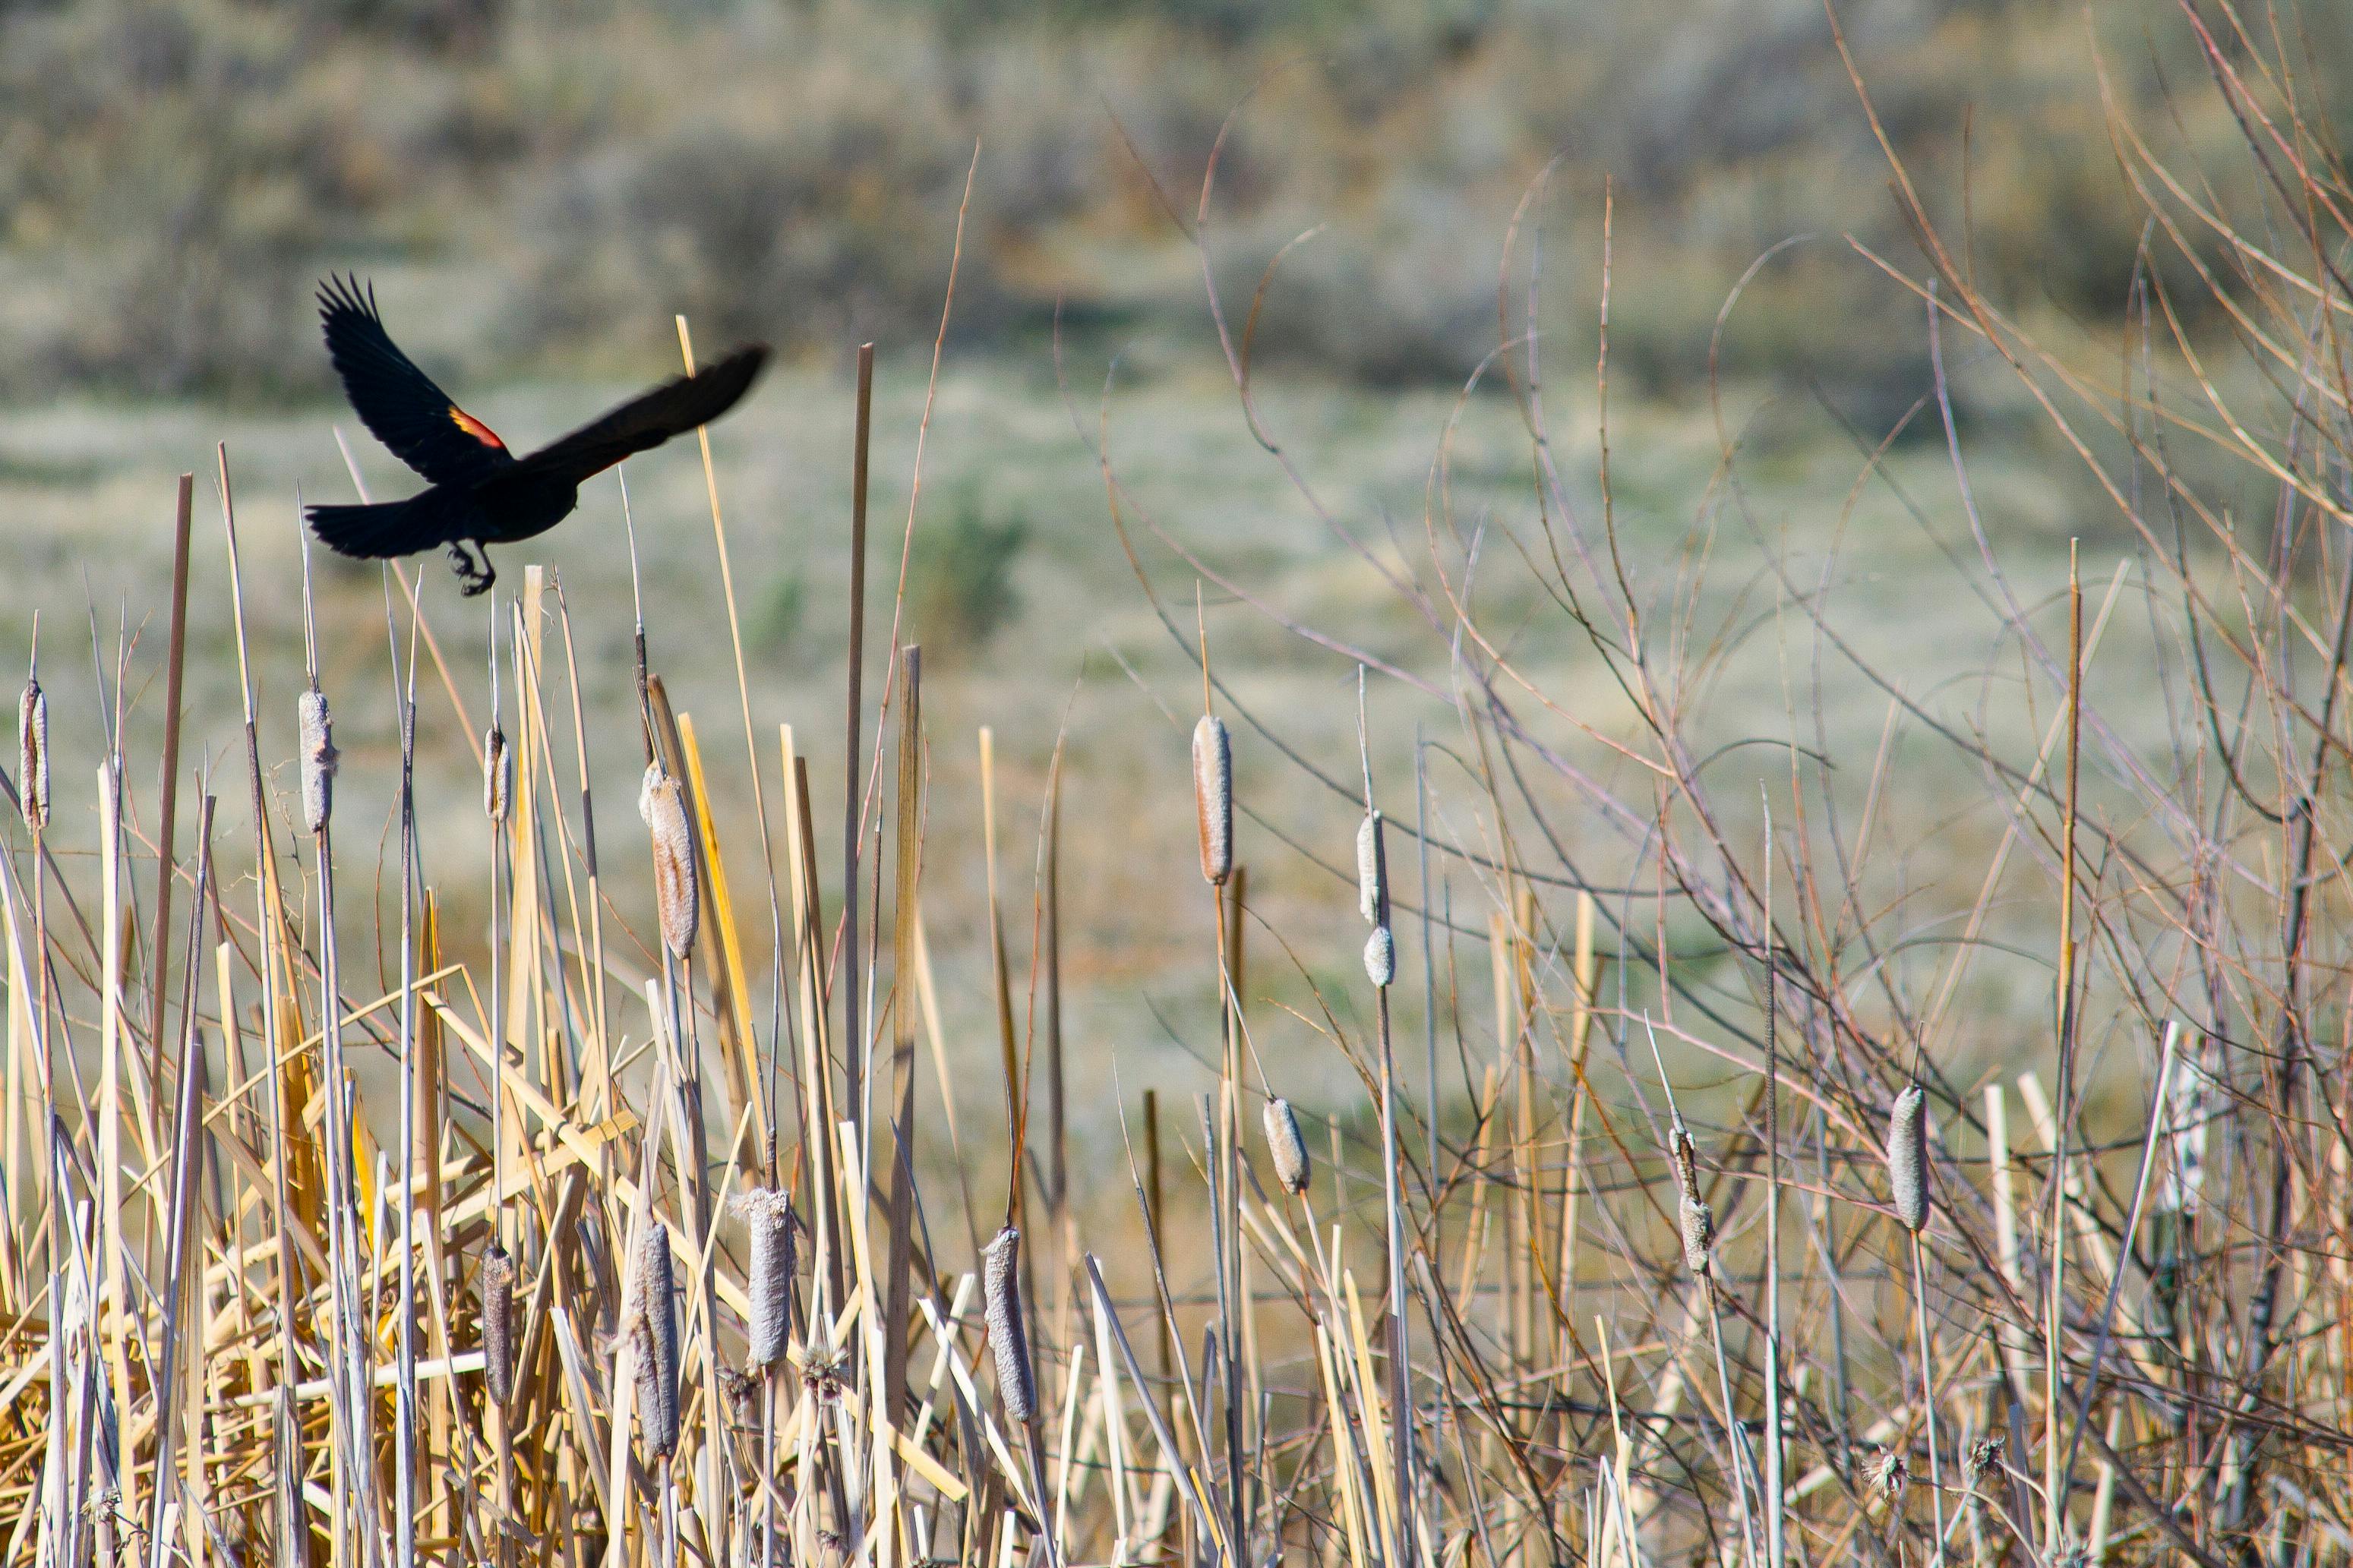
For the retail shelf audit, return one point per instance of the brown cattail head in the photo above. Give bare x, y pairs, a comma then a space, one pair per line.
498, 1324
653, 1342
767, 1213
33, 754
1284, 1146
319, 760
1907, 1158
1372, 872
1001, 1278
1380, 957
498, 774
1213, 796
661, 801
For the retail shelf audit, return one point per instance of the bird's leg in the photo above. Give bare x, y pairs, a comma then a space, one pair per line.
475, 574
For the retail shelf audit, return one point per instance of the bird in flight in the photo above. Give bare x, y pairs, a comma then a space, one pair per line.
479, 493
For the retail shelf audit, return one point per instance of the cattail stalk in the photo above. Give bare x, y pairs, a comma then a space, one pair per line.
1907, 1176
661, 801
1213, 797
767, 1213
653, 1342
1008, 1336
497, 1324
33, 756
1285, 1147
319, 761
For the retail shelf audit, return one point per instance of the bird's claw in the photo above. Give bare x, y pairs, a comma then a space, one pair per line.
475, 574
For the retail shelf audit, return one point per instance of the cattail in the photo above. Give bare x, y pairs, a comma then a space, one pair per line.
653, 1343
319, 760
497, 1324
768, 1213
33, 754
1907, 1158
1213, 796
1372, 872
1698, 1224
1380, 957
661, 801
1695, 1219
1284, 1146
498, 774
1002, 1279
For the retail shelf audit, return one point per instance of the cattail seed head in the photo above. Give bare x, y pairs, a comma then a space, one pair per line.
498, 774
661, 801
767, 1213
1213, 796
1284, 1146
319, 760
1907, 1158
1372, 872
1380, 957
33, 754
1001, 1278
653, 1342
498, 1324
1698, 1226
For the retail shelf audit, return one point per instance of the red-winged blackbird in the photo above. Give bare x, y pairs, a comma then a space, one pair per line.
480, 493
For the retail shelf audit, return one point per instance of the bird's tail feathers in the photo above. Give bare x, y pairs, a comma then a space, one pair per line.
373, 532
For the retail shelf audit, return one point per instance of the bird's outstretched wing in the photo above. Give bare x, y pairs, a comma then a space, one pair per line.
674, 408
398, 402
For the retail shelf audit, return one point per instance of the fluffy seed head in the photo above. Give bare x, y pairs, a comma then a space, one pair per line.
498, 774
767, 1213
33, 754
1380, 957
498, 1324
1001, 1278
661, 801
1284, 1146
319, 760
1907, 1158
1372, 872
653, 1342
1698, 1226
1213, 796
1889, 1472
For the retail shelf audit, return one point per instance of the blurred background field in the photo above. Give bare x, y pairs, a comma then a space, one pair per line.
536, 188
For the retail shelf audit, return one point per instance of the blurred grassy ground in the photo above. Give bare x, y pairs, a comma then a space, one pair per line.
534, 188
1074, 650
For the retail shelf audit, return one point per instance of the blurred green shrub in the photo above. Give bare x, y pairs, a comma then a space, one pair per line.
964, 589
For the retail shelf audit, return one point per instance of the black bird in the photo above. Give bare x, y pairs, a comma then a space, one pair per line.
481, 494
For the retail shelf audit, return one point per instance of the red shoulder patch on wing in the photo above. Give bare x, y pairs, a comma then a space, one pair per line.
475, 428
